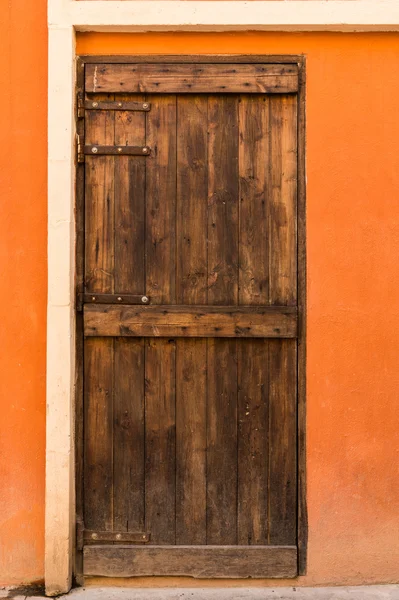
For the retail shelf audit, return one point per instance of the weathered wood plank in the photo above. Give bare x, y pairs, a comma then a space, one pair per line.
186, 321
128, 434
193, 561
160, 442
198, 79
99, 204
129, 204
191, 214
98, 434
223, 200
161, 201
191, 441
221, 469
283, 201
253, 441
283, 442
254, 183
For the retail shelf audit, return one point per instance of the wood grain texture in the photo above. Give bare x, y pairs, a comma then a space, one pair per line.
222, 200
160, 440
98, 434
282, 447
130, 128
253, 441
283, 201
191, 412
222, 442
197, 79
191, 214
161, 201
128, 435
253, 204
193, 561
188, 321
203, 431
99, 204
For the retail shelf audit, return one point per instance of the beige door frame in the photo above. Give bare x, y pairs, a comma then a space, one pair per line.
65, 17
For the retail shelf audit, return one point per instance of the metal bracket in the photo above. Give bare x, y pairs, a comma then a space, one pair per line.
117, 150
110, 299
137, 537
117, 105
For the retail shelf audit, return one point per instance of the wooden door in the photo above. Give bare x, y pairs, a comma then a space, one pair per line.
190, 320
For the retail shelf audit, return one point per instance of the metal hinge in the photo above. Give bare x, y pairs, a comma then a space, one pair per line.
124, 537
94, 298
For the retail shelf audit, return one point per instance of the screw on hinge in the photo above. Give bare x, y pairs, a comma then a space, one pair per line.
144, 299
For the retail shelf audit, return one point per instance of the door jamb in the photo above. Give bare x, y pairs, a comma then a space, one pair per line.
302, 520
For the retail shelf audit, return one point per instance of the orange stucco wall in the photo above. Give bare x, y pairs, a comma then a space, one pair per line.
353, 283
23, 108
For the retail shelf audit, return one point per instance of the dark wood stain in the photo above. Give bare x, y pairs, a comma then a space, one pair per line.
191, 403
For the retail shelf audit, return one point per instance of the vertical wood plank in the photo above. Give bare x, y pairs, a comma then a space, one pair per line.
161, 200
99, 203
191, 441
98, 414
160, 450
283, 200
223, 200
129, 202
191, 215
129, 354
253, 225
222, 442
282, 445
191, 288
253, 442
129, 435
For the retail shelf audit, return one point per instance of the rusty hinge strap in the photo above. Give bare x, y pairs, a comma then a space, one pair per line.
110, 299
137, 537
117, 150
119, 105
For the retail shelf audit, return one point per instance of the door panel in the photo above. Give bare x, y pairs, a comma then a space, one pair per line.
190, 402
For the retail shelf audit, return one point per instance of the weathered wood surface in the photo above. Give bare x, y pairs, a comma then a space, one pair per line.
193, 561
154, 321
190, 402
192, 79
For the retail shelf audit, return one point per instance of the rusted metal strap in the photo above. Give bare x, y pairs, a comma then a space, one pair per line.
135, 537
117, 150
117, 105
111, 299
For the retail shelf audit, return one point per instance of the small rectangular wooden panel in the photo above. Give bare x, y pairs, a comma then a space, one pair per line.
193, 321
192, 78
192, 561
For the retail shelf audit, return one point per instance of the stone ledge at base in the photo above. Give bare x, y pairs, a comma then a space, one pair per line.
369, 592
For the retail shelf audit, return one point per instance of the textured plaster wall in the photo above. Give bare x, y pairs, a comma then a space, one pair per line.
353, 311
353, 282
23, 224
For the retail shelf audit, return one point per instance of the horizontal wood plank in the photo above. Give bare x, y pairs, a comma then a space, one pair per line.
190, 321
192, 78
192, 561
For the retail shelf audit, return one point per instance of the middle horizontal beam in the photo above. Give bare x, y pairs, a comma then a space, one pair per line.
193, 321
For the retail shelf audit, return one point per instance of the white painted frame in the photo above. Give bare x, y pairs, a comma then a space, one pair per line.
65, 17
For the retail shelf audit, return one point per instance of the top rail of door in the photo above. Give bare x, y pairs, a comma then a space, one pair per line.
171, 78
